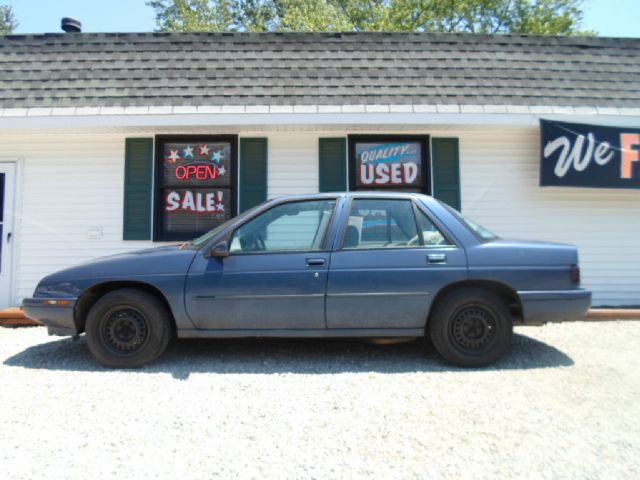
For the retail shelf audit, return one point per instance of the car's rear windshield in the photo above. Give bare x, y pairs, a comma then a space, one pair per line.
481, 232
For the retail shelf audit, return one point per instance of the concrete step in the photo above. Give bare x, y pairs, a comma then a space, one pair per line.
14, 317
613, 314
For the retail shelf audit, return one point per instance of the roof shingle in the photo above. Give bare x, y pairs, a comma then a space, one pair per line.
146, 69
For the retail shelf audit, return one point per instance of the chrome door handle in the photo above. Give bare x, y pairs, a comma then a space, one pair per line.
313, 262
437, 258
8, 237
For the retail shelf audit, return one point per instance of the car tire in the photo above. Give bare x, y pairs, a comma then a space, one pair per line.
128, 328
471, 327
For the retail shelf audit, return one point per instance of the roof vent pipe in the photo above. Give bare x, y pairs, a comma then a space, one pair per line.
71, 25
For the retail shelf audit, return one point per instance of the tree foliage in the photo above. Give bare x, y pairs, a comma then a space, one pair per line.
546, 17
8, 21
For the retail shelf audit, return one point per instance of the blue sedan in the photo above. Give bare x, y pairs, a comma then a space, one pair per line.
327, 265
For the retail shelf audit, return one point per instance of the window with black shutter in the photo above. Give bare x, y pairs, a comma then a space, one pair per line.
195, 184
389, 162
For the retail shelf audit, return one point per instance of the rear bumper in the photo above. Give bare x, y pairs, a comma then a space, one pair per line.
55, 313
554, 306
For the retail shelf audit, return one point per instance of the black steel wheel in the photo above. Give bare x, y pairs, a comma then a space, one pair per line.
128, 328
471, 327
125, 330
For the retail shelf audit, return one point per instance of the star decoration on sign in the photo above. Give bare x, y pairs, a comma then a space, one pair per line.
217, 157
174, 156
204, 150
220, 207
188, 152
221, 171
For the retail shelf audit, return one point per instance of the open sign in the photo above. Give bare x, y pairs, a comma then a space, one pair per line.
199, 172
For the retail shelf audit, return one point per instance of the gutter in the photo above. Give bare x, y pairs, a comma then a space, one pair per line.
318, 115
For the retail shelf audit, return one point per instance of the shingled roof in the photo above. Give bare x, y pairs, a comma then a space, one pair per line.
195, 69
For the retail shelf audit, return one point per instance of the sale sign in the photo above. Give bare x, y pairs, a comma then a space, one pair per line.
201, 201
388, 164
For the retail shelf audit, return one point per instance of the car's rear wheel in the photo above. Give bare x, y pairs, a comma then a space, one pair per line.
471, 327
128, 328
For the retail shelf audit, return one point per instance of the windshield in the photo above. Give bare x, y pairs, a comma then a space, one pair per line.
478, 229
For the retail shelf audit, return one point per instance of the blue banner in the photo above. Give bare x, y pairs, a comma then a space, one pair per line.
580, 155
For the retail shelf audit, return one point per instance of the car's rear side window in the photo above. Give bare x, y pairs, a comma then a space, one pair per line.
378, 223
479, 231
431, 235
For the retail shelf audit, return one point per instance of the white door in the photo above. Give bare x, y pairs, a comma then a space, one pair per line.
7, 182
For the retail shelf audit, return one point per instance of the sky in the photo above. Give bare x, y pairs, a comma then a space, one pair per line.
611, 18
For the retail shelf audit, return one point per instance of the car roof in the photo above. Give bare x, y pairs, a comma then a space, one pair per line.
359, 194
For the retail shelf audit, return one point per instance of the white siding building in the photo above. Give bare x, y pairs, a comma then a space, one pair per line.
75, 100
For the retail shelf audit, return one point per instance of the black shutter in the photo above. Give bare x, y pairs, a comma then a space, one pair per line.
333, 164
446, 170
138, 181
253, 172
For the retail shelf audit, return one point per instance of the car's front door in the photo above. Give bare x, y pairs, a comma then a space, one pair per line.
392, 262
275, 276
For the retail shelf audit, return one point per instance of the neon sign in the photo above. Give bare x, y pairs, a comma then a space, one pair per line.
199, 172
195, 185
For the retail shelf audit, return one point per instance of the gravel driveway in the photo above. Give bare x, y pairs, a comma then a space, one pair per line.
565, 403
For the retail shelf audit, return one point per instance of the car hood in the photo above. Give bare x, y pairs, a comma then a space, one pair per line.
147, 263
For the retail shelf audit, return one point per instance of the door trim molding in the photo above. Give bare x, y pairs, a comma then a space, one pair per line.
377, 294
257, 297
304, 333
14, 226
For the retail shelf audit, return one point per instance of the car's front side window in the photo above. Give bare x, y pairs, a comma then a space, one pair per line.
293, 226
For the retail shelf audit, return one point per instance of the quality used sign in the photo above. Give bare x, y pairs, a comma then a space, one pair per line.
388, 164
580, 155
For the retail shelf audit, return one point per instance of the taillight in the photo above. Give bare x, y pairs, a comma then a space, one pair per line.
574, 274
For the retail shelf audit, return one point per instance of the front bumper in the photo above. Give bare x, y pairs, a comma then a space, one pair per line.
554, 305
55, 313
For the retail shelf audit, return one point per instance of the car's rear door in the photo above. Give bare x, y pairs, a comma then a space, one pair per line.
275, 276
391, 261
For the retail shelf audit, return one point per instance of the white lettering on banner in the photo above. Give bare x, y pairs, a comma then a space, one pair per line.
571, 155
384, 173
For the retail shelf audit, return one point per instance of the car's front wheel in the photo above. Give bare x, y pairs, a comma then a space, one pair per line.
128, 328
471, 327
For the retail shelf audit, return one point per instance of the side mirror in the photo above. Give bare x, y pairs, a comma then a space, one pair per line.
220, 250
